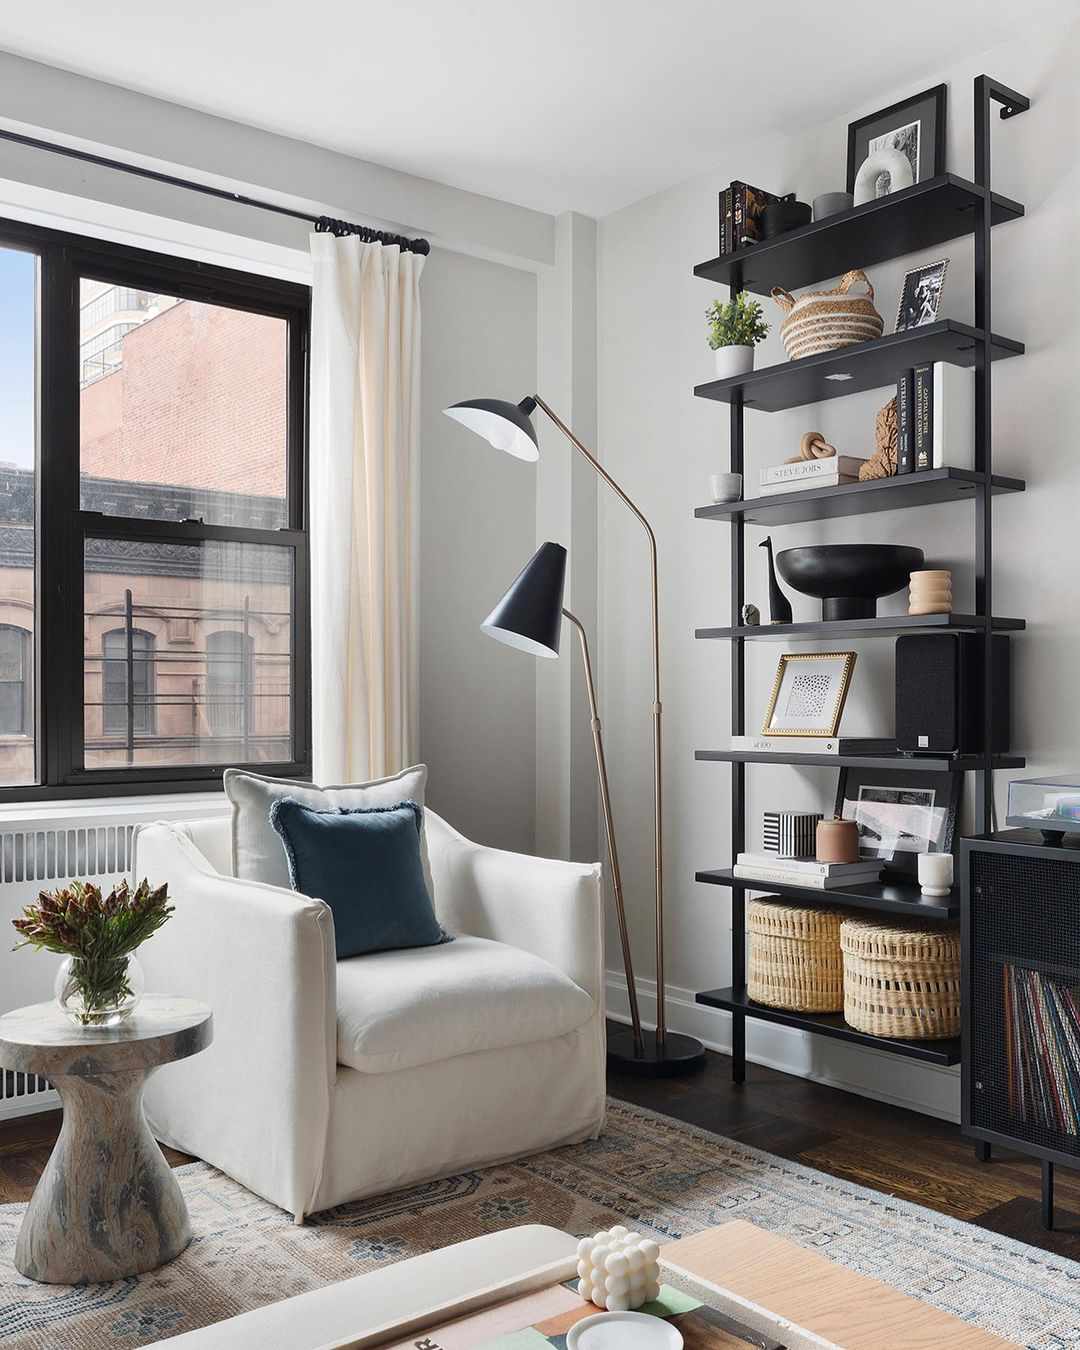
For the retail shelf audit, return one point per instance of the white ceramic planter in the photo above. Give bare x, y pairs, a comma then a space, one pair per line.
732, 361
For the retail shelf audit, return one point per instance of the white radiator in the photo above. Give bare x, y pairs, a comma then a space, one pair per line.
42, 846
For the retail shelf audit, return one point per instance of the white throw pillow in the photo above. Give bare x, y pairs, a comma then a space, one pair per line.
257, 851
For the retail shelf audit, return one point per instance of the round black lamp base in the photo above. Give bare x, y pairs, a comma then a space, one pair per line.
680, 1054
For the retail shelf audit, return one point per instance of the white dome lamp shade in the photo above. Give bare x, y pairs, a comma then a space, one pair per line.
506, 426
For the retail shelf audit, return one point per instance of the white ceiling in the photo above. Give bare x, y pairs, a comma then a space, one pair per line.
565, 104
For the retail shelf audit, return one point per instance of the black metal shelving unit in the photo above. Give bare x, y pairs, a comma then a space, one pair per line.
926, 214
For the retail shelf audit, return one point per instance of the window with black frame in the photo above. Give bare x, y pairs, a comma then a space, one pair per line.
152, 436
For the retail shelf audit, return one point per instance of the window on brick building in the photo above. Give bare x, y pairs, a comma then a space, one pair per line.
19, 434
16, 681
161, 405
127, 681
229, 679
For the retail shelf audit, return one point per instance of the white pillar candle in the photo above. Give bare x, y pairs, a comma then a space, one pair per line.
618, 1270
935, 873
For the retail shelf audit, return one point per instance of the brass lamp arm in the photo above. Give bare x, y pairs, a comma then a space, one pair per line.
658, 842
609, 826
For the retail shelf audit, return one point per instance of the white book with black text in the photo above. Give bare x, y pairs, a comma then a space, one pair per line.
808, 866
815, 745
782, 876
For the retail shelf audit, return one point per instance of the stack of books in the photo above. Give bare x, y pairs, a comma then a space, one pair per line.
809, 473
772, 870
741, 208
935, 418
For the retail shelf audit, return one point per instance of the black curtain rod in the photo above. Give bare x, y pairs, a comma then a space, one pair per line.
323, 224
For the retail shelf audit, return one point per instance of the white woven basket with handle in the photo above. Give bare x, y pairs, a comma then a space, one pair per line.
821, 321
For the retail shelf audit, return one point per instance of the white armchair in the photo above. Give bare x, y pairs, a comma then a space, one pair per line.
328, 1081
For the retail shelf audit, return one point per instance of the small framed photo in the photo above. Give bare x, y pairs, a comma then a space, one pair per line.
915, 126
900, 813
808, 694
920, 297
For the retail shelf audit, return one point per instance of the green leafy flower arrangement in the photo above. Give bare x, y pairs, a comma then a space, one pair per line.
738, 323
98, 932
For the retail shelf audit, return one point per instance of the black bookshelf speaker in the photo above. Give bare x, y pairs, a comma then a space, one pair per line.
939, 693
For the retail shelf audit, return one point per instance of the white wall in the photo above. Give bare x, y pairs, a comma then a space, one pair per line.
478, 508
480, 336
662, 443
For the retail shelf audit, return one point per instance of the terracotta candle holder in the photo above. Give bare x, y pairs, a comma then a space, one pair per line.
837, 841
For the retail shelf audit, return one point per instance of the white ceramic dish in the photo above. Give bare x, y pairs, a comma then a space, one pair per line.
623, 1331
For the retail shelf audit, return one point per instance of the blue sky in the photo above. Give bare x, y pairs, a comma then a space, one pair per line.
17, 319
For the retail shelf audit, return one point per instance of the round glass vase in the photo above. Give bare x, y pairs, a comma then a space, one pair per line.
99, 993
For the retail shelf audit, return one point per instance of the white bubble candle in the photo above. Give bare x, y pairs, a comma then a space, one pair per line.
618, 1270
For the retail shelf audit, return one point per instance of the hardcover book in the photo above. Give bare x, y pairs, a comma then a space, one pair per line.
846, 466
924, 416
809, 866
782, 876
804, 484
905, 430
816, 745
726, 221
749, 206
953, 417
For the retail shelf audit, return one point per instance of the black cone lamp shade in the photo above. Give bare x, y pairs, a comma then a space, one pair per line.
507, 426
529, 616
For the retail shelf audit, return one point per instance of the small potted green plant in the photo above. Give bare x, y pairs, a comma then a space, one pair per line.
99, 982
734, 329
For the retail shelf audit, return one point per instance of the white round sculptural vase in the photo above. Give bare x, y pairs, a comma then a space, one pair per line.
734, 360
99, 996
882, 173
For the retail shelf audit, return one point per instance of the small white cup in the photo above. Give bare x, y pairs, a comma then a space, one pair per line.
935, 873
725, 487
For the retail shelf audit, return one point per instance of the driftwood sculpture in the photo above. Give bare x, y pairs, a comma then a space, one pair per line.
882, 463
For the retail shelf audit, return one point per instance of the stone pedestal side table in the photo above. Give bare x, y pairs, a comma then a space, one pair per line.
107, 1205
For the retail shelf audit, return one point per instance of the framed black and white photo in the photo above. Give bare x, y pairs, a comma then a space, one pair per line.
808, 694
915, 127
900, 813
920, 297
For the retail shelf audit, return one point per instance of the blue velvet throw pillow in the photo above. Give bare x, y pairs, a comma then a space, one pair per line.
365, 863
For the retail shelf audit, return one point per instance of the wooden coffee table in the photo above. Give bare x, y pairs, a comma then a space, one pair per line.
784, 1281
508, 1291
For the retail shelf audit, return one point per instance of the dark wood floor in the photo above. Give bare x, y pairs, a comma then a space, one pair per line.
897, 1152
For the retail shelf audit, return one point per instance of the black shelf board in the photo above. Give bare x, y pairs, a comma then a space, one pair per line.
865, 365
921, 216
927, 488
884, 897
927, 763
832, 1024
886, 625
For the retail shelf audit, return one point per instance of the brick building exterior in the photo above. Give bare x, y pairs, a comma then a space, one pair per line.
186, 647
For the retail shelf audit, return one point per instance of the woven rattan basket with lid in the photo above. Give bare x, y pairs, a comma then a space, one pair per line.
901, 980
795, 959
821, 321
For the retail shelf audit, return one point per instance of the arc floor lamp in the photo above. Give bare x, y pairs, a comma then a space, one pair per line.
508, 426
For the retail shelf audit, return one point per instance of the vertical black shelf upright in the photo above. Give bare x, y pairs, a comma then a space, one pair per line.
926, 214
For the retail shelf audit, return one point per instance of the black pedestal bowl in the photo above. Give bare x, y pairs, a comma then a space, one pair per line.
848, 578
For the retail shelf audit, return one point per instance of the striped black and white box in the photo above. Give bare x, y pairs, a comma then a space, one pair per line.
790, 834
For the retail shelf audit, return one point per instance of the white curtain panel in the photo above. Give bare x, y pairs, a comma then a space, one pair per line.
365, 419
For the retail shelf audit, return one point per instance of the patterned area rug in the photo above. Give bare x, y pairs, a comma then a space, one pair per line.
667, 1178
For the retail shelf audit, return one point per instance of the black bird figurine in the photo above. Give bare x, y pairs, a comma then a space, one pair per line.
779, 604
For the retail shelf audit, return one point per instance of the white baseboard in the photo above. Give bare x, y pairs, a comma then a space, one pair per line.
929, 1088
